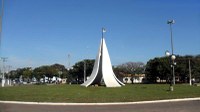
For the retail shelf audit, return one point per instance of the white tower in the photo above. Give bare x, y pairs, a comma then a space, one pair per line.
103, 69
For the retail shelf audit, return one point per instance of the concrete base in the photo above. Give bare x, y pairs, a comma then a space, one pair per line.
2, 82
171, 88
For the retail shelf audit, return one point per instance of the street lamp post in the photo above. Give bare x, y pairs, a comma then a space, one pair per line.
172, 58
170, 22
190, 77
84, 71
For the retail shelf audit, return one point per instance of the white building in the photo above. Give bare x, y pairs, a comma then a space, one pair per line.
137, 78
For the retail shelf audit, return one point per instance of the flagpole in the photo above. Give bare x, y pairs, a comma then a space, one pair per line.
102, 32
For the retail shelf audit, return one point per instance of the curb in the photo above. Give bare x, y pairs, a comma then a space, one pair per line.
115, 103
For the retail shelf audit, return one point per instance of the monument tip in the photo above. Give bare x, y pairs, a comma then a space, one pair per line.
103, 31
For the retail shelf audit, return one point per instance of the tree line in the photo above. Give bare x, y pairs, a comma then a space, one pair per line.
27, 73
160, 68
157, 68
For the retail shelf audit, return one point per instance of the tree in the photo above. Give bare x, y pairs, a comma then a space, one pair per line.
60, 69
38, 73
151, 70
77, 73
130, 68
160, 68
12, 74
27, 73
50, 71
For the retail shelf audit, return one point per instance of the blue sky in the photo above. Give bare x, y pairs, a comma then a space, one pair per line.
41, 32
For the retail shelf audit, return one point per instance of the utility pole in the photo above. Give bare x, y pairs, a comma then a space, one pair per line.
4, 59
1, 18
9, 81
190, 73
68, 59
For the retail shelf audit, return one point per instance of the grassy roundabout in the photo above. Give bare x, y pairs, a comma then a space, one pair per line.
78, 94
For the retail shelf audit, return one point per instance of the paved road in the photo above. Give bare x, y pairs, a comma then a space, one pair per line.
183, 106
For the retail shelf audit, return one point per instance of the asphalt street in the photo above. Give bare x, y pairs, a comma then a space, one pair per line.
182, 106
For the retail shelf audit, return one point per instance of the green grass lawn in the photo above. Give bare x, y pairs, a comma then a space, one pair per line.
77, 93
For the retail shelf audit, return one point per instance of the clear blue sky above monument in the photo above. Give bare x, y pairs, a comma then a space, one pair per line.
40, 32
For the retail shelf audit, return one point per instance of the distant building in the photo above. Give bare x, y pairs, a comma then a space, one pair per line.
135, 78
63, 81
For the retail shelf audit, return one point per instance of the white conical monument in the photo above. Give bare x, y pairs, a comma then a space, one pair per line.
102, 69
